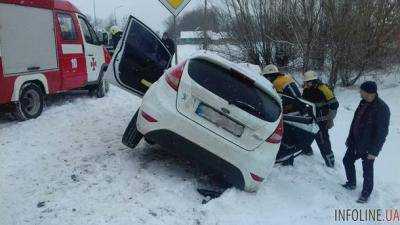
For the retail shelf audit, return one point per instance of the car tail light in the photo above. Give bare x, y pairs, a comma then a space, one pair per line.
148, 117
174, 75
276, 137
256, 177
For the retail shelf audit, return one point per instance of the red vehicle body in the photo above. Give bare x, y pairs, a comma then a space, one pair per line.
46, 47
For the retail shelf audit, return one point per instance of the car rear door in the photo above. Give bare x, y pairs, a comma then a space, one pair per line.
139, 59
228, 103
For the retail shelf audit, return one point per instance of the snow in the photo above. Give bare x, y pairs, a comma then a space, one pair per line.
72, 159
199, 35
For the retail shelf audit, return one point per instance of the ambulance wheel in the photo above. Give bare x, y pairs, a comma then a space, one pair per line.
30, 104
132, 136
102, 89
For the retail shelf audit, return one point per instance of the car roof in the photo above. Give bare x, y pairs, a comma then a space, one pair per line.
61, 5
259, 81
65, 6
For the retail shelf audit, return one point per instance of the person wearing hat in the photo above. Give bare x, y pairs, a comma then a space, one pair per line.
283, 84
326, 107
116, 34
367, 135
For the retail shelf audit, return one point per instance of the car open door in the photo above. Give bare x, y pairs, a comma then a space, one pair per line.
299, 120
139, 59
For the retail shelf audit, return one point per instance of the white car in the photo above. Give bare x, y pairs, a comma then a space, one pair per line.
205, 108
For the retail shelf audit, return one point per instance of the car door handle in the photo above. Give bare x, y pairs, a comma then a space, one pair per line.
91, 55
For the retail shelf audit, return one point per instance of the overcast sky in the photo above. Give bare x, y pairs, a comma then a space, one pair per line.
151, 12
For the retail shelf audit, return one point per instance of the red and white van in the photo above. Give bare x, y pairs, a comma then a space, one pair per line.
46, 47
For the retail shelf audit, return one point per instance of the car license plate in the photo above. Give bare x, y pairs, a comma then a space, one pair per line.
220, 120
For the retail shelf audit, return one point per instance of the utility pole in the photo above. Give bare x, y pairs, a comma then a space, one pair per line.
94, 14
205, 27
115, 14
176, 41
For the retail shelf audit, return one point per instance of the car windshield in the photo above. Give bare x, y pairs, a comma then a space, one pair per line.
234, 88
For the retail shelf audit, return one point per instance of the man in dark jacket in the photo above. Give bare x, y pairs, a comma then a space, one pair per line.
326, 106
169, 43
116, 34
366, 138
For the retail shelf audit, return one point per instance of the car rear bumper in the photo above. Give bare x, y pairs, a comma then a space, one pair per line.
183, 147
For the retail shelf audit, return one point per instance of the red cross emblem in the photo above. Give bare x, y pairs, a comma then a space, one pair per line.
93, 64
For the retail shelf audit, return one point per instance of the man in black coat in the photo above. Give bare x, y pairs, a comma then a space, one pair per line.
169, 43
367, 135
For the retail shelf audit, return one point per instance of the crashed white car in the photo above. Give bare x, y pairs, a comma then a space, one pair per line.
205, 108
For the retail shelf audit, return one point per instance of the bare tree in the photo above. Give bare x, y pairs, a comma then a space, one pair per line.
348, 37
360, 35
194, 20
246, 24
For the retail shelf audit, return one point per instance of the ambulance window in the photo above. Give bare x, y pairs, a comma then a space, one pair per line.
68, 31
88, 32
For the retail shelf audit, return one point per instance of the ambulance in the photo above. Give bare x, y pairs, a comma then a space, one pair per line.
46, 47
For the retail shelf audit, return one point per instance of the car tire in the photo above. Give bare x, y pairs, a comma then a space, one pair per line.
132, 136
30, 104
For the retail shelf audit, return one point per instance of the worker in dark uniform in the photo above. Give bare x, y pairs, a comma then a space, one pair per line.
284, 84
116, 35
326, 107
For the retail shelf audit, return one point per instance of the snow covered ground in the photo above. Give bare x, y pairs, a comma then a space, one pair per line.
70, 167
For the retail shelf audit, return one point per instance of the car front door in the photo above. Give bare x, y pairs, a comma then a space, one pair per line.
94, 52
139, 59
299, 120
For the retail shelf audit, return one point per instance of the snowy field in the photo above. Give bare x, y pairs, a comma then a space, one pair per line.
70, 167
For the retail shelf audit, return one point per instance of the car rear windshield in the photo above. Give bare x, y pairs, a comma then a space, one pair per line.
234, 88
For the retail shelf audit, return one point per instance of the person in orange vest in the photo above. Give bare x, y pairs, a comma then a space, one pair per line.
283, 84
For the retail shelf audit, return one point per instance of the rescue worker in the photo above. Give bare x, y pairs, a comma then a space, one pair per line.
326, 107
283, 84
169, 43
367, 135
116, 34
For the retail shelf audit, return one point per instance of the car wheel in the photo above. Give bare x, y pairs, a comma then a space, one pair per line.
102, 89
132, 136
30, 104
